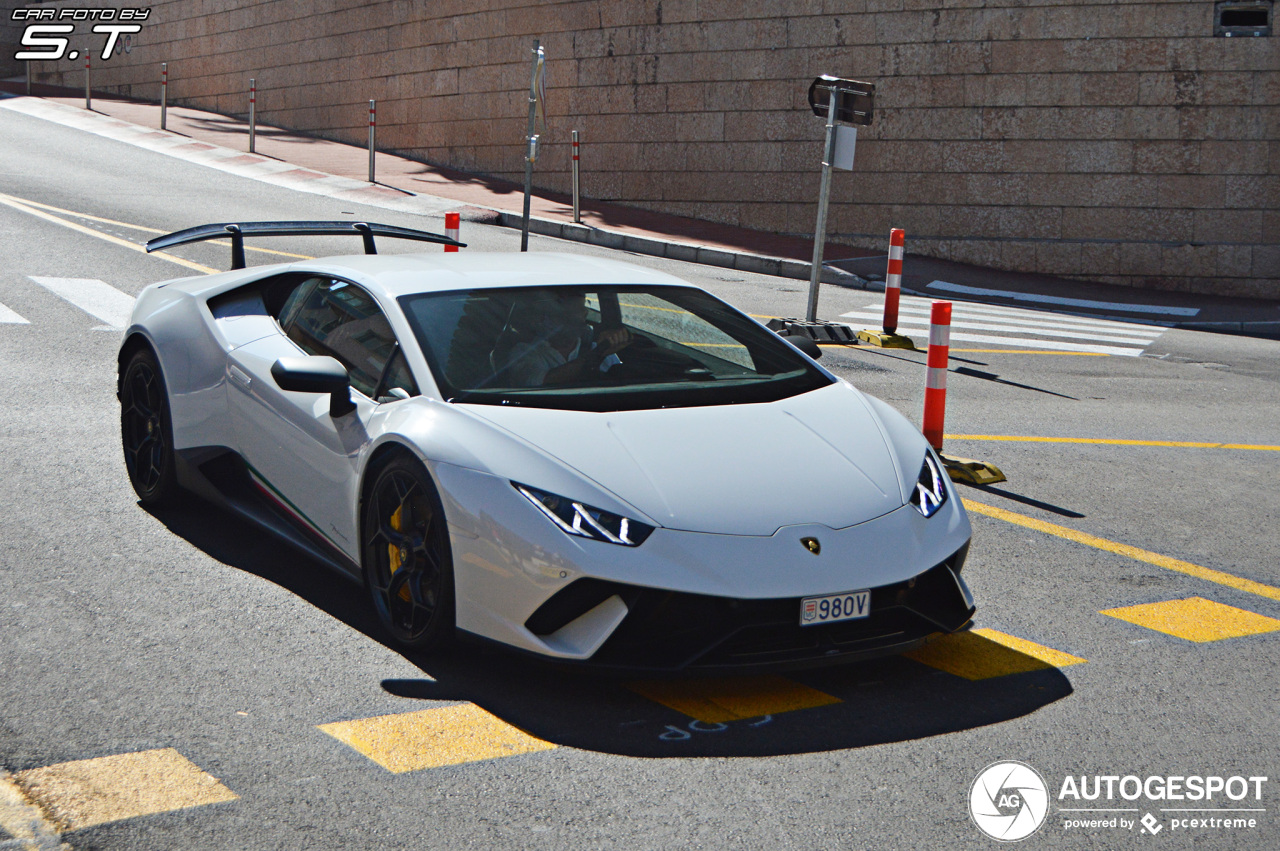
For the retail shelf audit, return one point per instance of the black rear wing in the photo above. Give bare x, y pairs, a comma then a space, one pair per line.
239, 230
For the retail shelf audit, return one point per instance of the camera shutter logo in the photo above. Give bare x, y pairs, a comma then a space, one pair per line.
1009, 801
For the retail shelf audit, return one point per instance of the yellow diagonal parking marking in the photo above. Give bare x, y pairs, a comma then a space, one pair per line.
431, 738
1183, 444
1206, 573
111, 788
981, 654
1196, 619
724, 699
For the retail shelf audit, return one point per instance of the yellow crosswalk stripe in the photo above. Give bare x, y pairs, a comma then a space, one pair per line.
89, 792
981, 654
1196, 619
432, 738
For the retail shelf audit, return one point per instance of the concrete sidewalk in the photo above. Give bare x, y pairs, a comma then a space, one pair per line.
614, 226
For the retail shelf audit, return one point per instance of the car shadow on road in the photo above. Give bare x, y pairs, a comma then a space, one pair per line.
850, 706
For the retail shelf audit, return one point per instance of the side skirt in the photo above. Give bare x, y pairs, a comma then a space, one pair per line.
222, 477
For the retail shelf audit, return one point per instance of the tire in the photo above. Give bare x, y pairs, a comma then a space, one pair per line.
406, 557
146, 432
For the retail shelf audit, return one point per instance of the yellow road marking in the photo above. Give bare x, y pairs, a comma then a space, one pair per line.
18, 205
96, 791
431, 738
146, 229
1196, 619
981, 654
21, 819
1205, 573
1012, 438
724, 699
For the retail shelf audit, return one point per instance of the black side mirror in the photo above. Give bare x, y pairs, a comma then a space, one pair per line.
320, 374
804, 344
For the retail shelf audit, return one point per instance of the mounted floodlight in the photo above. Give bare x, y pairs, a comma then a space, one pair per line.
854, 99
239, 230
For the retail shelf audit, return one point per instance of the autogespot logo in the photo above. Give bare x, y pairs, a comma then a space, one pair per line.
1009, 801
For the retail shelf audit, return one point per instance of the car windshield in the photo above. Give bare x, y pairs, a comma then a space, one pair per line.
602, 348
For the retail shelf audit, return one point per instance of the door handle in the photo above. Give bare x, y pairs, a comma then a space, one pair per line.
240, 375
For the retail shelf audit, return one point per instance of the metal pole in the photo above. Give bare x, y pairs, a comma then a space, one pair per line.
577, 211
88, 99
28, 64
529, 153
253, 113
164, 94
373, 126
824, 195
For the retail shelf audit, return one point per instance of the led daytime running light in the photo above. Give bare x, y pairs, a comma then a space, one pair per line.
585, 521
930, 491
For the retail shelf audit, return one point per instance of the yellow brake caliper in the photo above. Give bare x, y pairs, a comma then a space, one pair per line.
393, 552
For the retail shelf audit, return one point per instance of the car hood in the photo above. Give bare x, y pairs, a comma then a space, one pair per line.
820, 457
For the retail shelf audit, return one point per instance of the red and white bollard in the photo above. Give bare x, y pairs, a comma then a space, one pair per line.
452, 222
935, 402
893, 280
889, 337
935, 382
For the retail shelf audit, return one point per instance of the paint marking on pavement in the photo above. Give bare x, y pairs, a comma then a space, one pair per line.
1066, 302
24, 821
981, 654
146, 229
1196, 619
111, 788
1030, 352
96, 298
17, 204
1184, 444
432, 738
724, 699
9, 317
1177, 565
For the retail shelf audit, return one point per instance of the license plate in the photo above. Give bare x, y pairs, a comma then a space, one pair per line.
835, 607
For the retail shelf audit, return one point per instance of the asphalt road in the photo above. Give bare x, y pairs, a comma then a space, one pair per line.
126, 632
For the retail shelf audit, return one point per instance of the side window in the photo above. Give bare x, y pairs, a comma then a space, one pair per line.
337, 318
397, 376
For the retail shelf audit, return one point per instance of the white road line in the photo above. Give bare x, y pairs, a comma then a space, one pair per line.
1014, 313
96, 298
943, 286
7, 316
1027, 343
1040, 330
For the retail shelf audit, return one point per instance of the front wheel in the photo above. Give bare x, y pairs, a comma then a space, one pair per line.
407, 560
146, 431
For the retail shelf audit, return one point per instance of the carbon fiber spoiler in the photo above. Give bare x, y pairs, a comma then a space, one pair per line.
239, 230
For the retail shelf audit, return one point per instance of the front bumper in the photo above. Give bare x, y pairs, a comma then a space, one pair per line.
671, 631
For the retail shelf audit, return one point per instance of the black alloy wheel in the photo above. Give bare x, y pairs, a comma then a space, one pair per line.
146, 431
408, 563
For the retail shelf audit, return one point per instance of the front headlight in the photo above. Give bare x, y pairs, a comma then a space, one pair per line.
931, 490
585, 521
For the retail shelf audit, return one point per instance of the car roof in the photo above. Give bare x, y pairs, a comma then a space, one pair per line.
406, 274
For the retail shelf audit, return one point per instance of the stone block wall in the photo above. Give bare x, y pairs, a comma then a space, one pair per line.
1114, 140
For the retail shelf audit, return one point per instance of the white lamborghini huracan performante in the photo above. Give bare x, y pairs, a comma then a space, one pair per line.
575, 457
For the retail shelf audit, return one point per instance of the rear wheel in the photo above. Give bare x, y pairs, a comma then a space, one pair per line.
146, 431
407, 560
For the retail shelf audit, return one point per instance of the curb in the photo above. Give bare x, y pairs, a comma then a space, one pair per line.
760, 264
